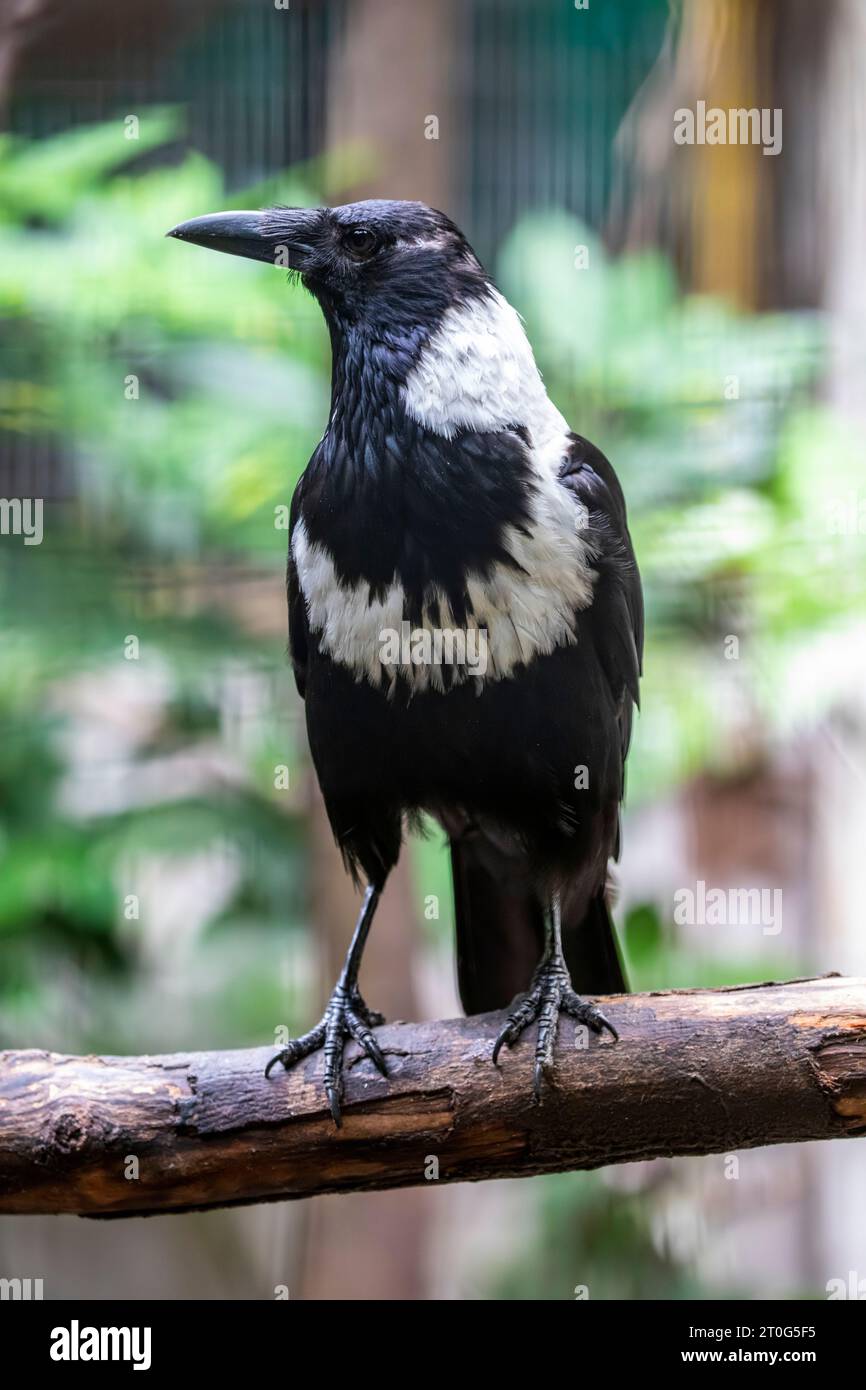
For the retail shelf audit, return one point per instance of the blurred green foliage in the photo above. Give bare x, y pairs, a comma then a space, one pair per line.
595, 1241
166, 402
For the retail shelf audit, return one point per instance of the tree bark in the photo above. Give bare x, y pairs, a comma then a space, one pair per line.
694, 1072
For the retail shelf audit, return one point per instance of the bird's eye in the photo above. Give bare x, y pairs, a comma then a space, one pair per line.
361, 241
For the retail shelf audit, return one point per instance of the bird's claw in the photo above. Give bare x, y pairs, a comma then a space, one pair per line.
549, 995
347, 1016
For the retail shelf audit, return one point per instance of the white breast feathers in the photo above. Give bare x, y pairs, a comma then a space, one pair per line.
476, 372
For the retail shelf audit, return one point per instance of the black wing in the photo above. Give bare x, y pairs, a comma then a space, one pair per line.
298, 628
616, 615
616, 621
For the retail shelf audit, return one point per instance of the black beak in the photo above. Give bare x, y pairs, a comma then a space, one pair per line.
277, 236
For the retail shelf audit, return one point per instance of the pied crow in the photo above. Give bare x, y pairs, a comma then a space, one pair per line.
465, 617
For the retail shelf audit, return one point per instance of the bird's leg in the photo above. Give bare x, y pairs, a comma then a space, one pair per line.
346, 1016
549, 994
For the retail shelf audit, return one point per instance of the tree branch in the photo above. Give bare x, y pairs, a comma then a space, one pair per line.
702, 1071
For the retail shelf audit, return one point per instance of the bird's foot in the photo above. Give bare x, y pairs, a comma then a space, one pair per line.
549, 995
346, 1016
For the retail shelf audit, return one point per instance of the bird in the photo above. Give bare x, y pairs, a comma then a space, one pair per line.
465, 618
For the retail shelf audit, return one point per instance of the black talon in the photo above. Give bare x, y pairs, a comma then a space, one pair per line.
359, 1020
296, 1049
347, 1016
280, 1057
375, 1053
333, 1094
537, 1076
549, 994
588, 1014
341, 1021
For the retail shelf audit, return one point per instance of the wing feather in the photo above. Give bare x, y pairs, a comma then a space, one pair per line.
616, 617
298, 625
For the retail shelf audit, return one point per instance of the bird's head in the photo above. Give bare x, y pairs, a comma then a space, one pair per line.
381, 263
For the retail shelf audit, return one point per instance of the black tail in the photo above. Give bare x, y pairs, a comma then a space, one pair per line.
591, 951
500, 935
500, 929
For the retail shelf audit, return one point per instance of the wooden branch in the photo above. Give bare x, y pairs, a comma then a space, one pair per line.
694, 1072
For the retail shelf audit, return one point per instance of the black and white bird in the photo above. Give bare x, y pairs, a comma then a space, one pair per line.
465, 617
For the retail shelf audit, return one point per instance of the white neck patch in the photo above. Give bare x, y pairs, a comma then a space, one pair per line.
477, 372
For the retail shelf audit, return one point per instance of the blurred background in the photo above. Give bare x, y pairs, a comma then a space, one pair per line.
167, 879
